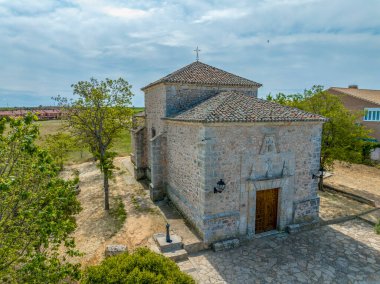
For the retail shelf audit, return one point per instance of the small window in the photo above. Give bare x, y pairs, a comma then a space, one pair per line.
153, 132
372, 114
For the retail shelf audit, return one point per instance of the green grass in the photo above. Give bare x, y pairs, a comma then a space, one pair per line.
138, 109
121, 145
49, 127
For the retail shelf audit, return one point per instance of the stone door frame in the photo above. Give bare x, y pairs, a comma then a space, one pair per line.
284, 205
277, 205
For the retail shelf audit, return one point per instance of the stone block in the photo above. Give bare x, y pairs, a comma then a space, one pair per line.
112, 250
296, 228
164, 246
224, 245
177, 255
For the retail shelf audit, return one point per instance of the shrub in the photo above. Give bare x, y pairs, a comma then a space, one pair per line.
143, 266
117, 211
377, 227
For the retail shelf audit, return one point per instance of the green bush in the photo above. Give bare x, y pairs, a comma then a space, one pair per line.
143, 266
377, 227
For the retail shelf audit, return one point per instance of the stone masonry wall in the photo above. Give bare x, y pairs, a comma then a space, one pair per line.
155, 109
167, 99
233, 152
158, 166
183, 97
185, 180
139, 148
199, 155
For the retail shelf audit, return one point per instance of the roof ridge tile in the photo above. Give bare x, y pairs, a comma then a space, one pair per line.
202, 73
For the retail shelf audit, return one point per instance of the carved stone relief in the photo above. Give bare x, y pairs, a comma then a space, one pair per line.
268, 145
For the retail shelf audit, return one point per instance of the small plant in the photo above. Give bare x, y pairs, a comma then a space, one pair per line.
135, 203
377, 227
118, 213
141, 206
143, 266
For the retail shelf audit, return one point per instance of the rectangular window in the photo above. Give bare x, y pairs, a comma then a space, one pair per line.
372, 114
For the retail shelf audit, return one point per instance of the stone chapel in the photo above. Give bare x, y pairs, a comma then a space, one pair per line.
233, 164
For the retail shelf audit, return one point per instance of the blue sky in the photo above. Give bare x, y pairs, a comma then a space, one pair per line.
45, 46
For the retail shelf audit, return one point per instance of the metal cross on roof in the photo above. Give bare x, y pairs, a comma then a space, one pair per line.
197, 51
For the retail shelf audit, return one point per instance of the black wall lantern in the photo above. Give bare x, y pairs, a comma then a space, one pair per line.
220, 186
319, 175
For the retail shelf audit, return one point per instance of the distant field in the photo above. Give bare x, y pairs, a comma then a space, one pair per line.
138, 109
122, 145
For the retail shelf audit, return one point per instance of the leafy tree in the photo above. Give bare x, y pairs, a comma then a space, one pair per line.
36, 209
96, 118
342, 137
143, 266
59, 146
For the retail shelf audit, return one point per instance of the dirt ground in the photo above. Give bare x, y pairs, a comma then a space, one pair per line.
335, 205
355, 176
96, 228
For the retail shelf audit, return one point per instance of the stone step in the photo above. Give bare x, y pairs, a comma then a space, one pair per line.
194, 247
227, 244
176, 255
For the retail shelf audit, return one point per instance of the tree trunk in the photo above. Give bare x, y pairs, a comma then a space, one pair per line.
106, 190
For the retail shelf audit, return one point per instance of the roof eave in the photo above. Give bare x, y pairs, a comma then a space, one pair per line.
257, 85
244, 121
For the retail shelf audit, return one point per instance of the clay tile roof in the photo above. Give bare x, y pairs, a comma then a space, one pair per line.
201, 73
238, 107
372, 96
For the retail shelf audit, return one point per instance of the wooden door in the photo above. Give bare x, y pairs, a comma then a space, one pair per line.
266, 210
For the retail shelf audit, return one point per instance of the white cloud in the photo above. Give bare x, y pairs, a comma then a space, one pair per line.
48, 45
126, 13
225, 14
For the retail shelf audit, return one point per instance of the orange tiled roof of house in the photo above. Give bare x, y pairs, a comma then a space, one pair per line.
372, 96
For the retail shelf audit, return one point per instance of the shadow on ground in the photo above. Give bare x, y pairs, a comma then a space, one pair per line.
340, 253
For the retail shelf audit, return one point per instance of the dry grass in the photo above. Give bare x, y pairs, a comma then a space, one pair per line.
334, 205
359, 177
97, 228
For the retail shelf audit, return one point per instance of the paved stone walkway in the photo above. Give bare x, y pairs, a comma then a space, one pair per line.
342, 253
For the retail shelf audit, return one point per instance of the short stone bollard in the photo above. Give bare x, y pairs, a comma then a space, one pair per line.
112, 250
168, 240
